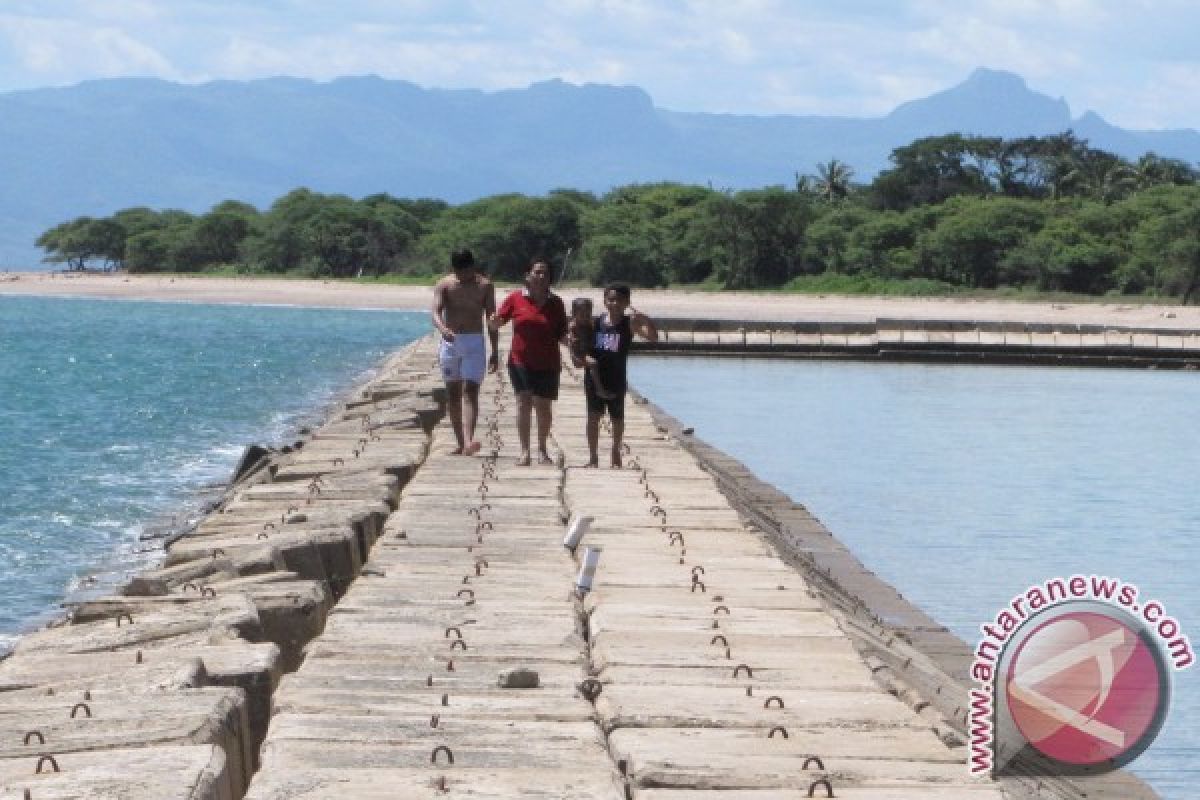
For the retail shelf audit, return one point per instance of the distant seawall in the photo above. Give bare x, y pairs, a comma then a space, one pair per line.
934, 340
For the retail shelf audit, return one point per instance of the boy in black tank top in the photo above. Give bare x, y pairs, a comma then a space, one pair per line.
613, 331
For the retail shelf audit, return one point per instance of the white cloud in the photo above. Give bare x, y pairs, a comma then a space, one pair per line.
54, 51
1134, 61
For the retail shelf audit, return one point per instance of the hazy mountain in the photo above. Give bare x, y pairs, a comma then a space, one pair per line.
106, 145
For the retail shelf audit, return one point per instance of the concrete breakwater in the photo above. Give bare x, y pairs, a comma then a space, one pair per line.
729, 648
164, 690
903, 339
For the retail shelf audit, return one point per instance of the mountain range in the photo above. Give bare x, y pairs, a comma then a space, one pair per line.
100, 146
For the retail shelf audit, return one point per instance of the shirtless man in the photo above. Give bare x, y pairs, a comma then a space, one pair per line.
461, 302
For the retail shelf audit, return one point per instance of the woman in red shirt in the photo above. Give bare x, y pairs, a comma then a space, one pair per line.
539, 325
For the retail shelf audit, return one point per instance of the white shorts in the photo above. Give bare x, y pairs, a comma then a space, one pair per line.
464, 359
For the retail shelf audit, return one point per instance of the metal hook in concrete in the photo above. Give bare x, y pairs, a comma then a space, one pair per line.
484, 524
740, 667
433, 721
811, 759
697, 570
699, 583
208, 591
429, 680
137, 659
38, 734
779, 728
86, 710
190, 585
456, 631
812, 787
458, 643
724, 641
339, 462
441, 748
591, 689
124, 615
776, 698
720, 608
471, 592
53, 763
445, 699
676, 538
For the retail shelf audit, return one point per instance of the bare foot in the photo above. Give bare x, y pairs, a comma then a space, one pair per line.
592, 463
523, 461
616, 459
456, 451
544, 458
472, 448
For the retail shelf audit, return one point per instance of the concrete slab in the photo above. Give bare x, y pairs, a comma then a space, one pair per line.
595, 783
193, 772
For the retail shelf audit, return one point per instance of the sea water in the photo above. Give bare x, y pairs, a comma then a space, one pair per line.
964, 485
114, 416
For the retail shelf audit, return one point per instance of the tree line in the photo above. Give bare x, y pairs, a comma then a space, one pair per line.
1049, 213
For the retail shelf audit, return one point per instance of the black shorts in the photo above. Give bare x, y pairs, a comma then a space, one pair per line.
538, 382
615, 406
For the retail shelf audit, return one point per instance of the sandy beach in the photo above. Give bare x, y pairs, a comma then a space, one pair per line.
661, 303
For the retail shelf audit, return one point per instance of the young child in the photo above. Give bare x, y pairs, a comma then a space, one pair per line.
613, 331
581, 330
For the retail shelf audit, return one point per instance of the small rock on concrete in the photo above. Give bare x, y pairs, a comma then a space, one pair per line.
518, 679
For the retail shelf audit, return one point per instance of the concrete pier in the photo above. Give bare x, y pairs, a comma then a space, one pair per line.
699, 664
369, 616
935, 340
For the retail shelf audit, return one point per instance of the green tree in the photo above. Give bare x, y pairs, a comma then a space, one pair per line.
969, 244
932, 170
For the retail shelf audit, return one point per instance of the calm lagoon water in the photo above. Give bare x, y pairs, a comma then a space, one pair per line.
963, 485
113, 415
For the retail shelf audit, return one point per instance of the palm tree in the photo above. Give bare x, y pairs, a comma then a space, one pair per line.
833, 179
1101, 176
1154, 170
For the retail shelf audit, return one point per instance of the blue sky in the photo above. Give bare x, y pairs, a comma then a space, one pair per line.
1136, 62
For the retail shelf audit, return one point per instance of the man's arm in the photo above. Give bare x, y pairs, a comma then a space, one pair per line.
489, 312
498, 318
437, 312
643, 326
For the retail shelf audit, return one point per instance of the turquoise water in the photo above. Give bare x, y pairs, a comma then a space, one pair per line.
113, 415
963, 485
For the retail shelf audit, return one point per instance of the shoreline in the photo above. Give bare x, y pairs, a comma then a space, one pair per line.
194, 504
655, 302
